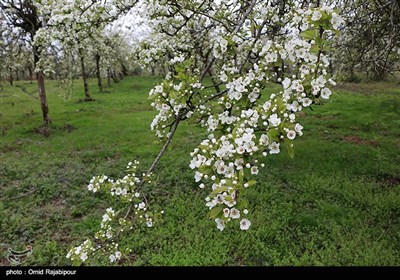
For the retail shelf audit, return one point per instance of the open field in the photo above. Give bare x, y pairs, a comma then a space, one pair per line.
336, 203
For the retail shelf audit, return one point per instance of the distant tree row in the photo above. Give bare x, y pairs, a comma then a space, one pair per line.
370, 40
63, 40
72, 39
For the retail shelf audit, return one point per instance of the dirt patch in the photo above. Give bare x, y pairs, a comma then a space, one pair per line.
4, 262
324, 117
42, 130
388, 180
356, 87
137, 87
28, 114
357, 140
85, 100
68, 128
367, 89
59, 203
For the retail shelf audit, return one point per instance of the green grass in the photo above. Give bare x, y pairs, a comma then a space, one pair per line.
336, 203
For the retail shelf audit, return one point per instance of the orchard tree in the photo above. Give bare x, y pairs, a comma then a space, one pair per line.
78, 25
8, 52
16, 56
23, 16
24, 64
118, 56
70, 23
370, 40
243, 47
17, 61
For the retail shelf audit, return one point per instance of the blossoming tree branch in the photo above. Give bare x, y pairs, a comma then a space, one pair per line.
222, 55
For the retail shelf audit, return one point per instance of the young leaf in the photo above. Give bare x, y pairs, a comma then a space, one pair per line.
308, 34
241, 176
205, 169
214, 212
289, 148
251, 182
220, 189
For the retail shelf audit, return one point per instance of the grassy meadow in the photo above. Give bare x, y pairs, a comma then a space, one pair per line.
336, 203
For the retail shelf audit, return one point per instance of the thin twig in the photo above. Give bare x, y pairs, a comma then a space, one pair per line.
157, 159
23, 195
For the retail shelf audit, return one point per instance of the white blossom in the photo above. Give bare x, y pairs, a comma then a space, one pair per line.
245, 224
325, 93
291, 134
235, 213
220, 224
274, 120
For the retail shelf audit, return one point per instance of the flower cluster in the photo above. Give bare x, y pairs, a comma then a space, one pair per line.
171, 99
81, 252
126, 190
244, 126
224, 60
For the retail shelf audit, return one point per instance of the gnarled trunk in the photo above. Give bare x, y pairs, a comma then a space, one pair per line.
43, 99
11, 77
98, 74
109, 76
30, 73
42, 90
84, 76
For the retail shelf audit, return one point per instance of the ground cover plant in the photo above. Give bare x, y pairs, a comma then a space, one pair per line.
335, 203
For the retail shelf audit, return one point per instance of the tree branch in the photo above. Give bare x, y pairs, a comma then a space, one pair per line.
157, 159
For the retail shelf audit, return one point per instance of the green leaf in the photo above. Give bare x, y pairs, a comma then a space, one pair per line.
153, 96
251, 182
241, 173
273, 134
290, 149
220, 190
228, 182
215, 212
308, 34
228, 198
280, 104
247, 173
239, 187
205, 169
244, 102
315, 49
173, 94
166, 86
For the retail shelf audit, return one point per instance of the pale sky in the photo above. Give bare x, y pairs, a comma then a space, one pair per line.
132, 26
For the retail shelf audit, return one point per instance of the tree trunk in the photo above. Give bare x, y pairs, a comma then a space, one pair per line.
114, 77
11, 77
30, 74
125, 71
43, 99
98, 74
108, 76
42, 91
84, 77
